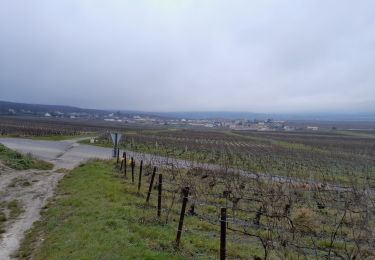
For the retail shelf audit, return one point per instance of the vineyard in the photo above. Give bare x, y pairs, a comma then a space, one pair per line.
39, 128
42, 127
284, 220
324, 157
261, 195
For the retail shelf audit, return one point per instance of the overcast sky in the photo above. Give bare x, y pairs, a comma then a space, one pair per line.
171, 55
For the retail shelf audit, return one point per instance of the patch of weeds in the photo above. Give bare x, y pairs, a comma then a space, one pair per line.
62, 170
26, 183
18, 182
40, 165
3, 218
15, 208
18, 161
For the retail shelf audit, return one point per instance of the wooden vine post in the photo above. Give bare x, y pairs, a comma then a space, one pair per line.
132, 165
140, 176
185, 193
160, 188
223, 231
151, 184
125, 164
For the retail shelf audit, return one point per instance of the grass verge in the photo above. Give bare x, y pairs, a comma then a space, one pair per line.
96, 214
18, 161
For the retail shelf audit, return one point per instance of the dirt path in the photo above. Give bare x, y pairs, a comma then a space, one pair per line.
30, 189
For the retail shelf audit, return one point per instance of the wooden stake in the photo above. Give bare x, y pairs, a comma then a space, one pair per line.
185, 193
151, 184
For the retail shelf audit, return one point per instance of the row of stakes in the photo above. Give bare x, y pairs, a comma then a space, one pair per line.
185, 193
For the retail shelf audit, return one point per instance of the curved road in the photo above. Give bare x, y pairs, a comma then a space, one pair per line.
69, 153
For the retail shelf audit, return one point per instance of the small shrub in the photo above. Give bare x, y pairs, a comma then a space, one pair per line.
17, 161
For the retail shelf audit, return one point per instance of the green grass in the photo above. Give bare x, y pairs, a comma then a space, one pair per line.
98, 215
18, 161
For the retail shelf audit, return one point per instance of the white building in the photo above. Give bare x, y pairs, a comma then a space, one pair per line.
312, 128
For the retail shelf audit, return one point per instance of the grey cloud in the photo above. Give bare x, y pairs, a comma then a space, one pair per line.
261, 56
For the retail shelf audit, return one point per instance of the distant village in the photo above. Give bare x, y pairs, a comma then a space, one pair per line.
139, 119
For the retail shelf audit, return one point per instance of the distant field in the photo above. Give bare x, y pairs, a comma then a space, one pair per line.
44, 128
328, 156
361, 125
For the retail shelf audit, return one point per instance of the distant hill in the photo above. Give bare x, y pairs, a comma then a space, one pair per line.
13, 108
24, 109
